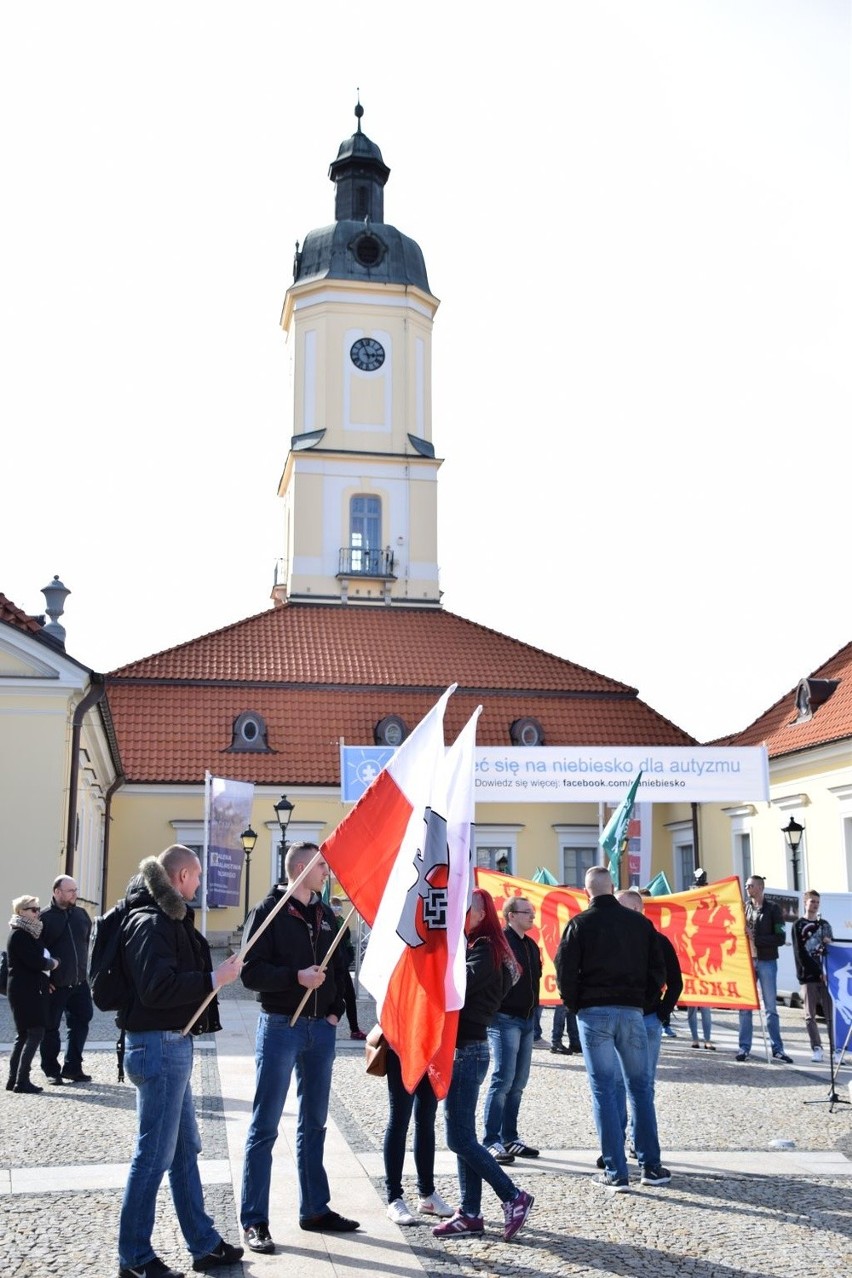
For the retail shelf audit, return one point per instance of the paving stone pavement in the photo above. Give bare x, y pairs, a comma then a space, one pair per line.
736, 1205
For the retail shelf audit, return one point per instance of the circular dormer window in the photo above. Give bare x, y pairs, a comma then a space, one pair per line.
369, 250
390, 731
526, 732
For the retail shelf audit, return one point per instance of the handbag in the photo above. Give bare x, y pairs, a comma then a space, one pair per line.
376, 1052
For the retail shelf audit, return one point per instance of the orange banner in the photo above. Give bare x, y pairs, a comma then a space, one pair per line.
706, 926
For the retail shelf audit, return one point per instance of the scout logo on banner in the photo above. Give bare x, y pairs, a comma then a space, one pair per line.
838, 972
706, 926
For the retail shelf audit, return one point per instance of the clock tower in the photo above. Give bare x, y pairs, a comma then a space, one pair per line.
360, 480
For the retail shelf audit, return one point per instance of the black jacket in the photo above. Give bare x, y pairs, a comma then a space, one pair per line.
665, 1004
810, 937
765, 923
298, 937
66, 934
28, 981
610, 956
167, 961
485, 990
522, 998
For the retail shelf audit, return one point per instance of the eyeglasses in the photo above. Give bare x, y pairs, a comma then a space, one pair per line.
523, 911
32, 909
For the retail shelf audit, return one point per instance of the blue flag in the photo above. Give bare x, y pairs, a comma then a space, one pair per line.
614, 838
838, 974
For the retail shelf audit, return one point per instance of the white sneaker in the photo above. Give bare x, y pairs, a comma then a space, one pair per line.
434, 1205
816, 1054
399, 1213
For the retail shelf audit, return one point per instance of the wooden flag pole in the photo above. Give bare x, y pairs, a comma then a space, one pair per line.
249, 942
323, 965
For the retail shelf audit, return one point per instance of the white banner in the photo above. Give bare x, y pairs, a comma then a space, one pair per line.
577, 774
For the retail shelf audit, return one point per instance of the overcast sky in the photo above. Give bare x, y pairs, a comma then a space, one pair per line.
636, 216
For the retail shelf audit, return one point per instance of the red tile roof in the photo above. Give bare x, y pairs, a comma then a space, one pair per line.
318, 674
15, 616
832, 721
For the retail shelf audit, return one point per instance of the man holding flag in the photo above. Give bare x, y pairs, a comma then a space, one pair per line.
288, 960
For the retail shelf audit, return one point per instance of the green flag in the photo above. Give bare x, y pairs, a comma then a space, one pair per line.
659, 885
614, 838
544, 876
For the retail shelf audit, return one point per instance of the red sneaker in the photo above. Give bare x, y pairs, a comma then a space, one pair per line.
459, 1224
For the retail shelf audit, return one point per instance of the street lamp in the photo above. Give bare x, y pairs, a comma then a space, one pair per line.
248, 838
501, 865
283, 812
793, 832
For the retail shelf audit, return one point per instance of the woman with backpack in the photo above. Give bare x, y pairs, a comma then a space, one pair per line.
30, 965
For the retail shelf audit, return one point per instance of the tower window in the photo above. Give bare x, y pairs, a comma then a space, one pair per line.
362, 202
365, 532
369, 250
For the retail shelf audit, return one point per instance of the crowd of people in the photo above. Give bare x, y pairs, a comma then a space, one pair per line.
618, 979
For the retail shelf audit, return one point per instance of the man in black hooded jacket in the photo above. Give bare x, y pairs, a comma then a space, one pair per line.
168, 964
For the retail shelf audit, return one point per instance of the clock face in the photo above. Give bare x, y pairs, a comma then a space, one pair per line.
367, 354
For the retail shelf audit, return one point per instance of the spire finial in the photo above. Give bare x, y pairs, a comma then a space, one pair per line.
359, 110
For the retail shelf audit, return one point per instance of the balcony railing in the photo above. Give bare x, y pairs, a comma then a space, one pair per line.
355, 562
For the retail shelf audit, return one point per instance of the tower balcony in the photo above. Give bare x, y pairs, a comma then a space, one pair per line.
356, 562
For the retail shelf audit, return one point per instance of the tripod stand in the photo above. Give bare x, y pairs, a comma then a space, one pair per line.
833, 1099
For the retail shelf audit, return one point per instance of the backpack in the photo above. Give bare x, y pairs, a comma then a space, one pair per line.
4, 972
111, 989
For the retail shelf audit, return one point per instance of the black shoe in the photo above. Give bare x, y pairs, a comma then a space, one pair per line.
153, 1269
330, 1222
224, 1254
28, 1088
75, 1076
559, 1049
55, 1080
258, 1238
574, 1049
782, 1056
742, 1056
10, 1084
599, 1162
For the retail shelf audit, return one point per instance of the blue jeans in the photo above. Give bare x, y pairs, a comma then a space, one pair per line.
654, 1032
159, 1064
424, 1103
692, 1022
615, 1049
510, 1039
562, 1018
75, 1003
475, 1164
766, 971
309, 1047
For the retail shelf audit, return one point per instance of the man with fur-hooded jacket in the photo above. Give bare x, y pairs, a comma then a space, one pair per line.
168, 965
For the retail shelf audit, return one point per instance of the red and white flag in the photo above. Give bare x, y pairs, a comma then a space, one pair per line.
403, 856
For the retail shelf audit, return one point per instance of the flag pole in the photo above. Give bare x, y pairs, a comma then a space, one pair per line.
323, 964
249, 942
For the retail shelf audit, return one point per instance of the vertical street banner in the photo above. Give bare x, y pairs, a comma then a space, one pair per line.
706, 926
403, 857
838, 975
228, 814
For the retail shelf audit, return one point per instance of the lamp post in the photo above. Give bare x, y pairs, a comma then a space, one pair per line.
248, 838
793, 832
283, 812
501, 865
